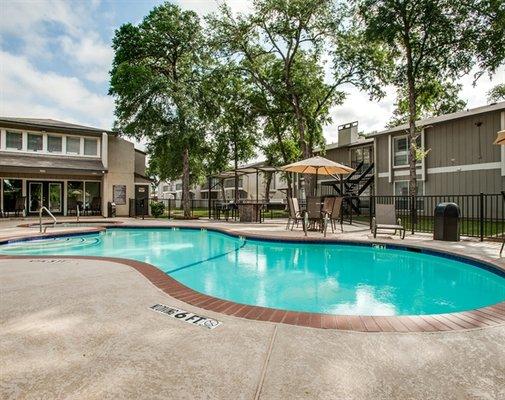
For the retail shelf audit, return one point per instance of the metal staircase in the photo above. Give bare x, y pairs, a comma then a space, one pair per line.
353, 186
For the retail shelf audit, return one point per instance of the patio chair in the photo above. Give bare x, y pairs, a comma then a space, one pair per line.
71, 205
95, 206
333, 207
385, 219
19, 205
314, 212
294, 216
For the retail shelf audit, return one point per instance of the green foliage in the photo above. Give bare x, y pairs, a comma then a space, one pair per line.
157, 209
432, 43
155, 80
232, 120
434, 98
282, 48
497, 93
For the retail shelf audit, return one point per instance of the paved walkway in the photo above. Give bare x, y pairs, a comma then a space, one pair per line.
78, 329
81, 330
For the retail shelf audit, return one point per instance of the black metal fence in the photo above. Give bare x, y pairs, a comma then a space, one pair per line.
482, 215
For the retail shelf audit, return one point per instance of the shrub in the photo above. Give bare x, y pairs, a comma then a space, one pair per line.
157, 209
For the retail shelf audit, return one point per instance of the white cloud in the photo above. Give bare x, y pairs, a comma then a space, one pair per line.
90, 55
27, 91
373, 115
204, 7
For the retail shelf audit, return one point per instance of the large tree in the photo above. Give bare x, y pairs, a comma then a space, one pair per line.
497, 93
284, 45
155, 80
429, 40
233, 123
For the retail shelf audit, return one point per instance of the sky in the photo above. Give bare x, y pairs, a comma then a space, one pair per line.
55, 57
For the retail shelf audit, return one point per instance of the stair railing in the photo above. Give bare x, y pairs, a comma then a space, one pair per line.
43, 208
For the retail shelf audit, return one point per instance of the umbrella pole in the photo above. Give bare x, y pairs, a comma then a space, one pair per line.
315, 184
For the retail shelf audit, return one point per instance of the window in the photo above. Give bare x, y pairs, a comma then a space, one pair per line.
12, 189
14, 140
178, 186
34, 142
54, 144
402, 188
92, 197
401, 150
90, 147
75, 195
165, 188
73, 145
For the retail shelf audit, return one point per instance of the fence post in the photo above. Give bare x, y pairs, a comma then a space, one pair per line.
481, 217
169, 208
209, 202
370, 211
412, 213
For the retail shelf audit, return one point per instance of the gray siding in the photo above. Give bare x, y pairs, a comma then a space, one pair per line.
453, 144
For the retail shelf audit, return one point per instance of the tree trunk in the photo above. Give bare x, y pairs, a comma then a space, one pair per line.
268, 181
412, 115
185, 184
223, 193
304, 146
235, 163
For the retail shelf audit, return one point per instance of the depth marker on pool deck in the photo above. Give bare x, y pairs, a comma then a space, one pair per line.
186, 316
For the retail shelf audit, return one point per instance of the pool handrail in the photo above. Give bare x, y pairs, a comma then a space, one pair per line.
43, 208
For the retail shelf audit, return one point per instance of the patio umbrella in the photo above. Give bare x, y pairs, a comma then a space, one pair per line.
318, 166
500, 140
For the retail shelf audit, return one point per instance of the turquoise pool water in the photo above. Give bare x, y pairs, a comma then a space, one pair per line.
327, 278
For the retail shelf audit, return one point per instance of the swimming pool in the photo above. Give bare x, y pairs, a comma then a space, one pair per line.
344, 279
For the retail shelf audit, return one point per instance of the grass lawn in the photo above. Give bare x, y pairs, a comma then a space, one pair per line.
467, 227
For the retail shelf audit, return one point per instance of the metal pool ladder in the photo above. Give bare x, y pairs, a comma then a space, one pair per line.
40, 218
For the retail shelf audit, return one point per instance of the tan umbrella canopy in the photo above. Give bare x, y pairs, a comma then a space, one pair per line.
318, 166
500, 140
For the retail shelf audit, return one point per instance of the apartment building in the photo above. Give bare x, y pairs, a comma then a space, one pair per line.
63, 166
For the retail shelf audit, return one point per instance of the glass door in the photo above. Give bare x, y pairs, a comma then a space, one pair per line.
55, 197
35, 197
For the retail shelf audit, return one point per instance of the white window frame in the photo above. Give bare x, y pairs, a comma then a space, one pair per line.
35, 134
80, 146
45, 151
7, 131
395, 139
406, 180
63, 143
97, 153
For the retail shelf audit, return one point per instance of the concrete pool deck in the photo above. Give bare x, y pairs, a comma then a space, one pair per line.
86, 331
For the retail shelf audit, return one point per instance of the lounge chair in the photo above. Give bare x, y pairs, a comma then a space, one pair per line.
385, 219
294, 216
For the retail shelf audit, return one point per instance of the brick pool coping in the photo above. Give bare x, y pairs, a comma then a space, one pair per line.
479, 318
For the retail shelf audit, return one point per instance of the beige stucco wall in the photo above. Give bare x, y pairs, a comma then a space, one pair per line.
120, 172
140, 163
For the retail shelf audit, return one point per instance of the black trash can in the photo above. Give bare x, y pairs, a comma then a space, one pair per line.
111, 210
447, 222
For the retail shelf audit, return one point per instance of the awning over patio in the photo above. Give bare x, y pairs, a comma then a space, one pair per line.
25, 163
